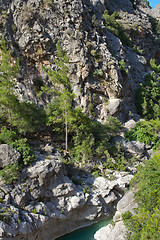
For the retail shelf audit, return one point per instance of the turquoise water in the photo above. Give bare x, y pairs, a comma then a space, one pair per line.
86, 233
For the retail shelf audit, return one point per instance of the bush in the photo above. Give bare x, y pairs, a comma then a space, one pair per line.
20, 144
7, 136
145, 223
137, 50
148, 97
116, 27
155, 25
145, 132
155, 67
10, 173
124, 70
23, 147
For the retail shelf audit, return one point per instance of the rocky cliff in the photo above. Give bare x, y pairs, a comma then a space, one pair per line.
50, 199
33, 28
106, 68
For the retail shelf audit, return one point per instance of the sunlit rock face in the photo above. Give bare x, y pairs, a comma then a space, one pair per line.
33, 28
48, 201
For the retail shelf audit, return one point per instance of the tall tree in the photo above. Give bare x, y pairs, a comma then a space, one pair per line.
61, 109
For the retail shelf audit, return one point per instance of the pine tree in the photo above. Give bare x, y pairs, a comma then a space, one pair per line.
8, 72
60, 111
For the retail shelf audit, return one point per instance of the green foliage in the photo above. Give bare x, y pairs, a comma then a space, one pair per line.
5, 215
38, 83
10, 173
98, 73
116, 27
23, 147
20, 144
34, 211
145, 223
137, 50
155, 25
124, 70
147, 180
7, 136
155, 67
22, 115
96, 54
145, 132
86, 189
148, 97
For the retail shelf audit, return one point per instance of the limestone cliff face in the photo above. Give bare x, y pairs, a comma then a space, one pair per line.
33, 28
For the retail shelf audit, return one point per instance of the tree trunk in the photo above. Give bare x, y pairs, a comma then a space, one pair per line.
66, 130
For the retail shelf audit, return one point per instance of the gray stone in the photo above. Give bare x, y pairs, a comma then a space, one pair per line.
134, 147
8, 155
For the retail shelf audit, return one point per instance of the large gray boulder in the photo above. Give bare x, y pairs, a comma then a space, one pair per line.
118, 230
8, 155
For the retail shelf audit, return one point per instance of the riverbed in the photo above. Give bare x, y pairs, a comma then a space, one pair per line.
86, 233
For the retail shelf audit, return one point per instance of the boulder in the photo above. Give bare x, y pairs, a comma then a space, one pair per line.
134, 147
8, 155
117, 230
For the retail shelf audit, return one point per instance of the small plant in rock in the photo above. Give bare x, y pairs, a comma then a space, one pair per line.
86, 189
137, 50
155, 25
124, 70
5, 215
23, 147
98, 73
10, 173
154, 66
34, 211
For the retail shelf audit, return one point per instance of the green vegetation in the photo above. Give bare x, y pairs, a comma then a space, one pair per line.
85, 139
23, 116
5, 215
144, 224
137, 50
124, 70
148, 97
98, 73
154, 66
155, 25
10, 173
116, 27
146, 132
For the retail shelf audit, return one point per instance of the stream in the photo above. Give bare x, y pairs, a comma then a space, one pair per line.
86, 233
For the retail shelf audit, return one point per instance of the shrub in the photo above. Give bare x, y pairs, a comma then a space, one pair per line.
155, 67
155, 25
137, 50
148, 97
145, 223
116, 27
7, 136
20, 144
98, 73
10, 173
23, 147
124, 70
145, 132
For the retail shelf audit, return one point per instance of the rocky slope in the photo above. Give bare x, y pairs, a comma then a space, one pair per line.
51, 199
33, 28
49, 193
